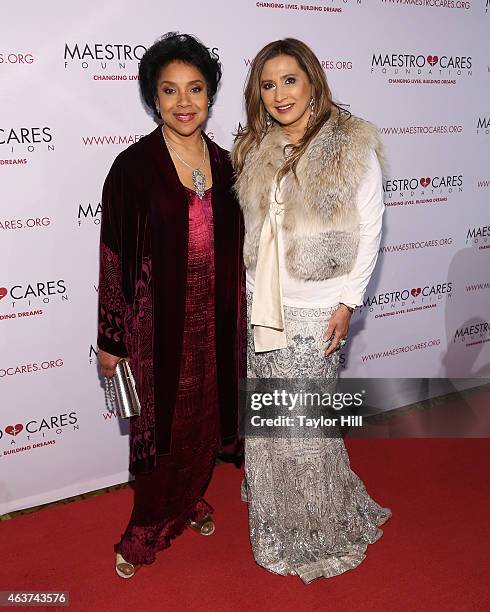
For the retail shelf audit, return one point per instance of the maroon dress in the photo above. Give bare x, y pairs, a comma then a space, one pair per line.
166, 499
143, 285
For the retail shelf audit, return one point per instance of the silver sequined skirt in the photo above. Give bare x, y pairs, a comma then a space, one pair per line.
309, 513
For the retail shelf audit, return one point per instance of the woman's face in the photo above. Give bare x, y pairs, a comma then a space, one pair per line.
286, 91
182, 97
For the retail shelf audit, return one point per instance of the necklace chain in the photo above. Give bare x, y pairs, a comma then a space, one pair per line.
198, 177
183, 160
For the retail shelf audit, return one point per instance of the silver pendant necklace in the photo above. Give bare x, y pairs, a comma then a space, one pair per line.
198, 177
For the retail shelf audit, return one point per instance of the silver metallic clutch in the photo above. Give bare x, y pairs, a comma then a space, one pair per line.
127, 400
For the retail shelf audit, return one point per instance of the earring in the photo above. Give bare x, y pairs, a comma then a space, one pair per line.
157, 108
312, 104
268, 120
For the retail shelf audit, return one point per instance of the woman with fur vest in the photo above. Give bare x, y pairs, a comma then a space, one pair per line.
310, 187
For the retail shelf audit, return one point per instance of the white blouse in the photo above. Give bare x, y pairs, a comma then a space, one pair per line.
348, 288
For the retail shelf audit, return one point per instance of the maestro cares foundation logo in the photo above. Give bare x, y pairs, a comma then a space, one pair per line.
92, 354
406, 300
483, 125
31, 298
109, 61
104, 61
20, 143
478, 237
26, 139
428, 189
89, 214
24, 436
421, 69
474, 333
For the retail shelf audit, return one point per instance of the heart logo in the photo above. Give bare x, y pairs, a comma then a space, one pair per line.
14, 430
432, 59
3, 292
425, 182
416, 292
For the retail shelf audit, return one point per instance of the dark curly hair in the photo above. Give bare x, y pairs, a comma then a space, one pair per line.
176, 47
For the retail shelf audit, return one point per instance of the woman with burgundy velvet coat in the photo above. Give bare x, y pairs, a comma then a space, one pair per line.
170, 297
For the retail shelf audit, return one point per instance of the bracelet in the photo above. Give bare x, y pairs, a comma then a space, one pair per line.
349, 308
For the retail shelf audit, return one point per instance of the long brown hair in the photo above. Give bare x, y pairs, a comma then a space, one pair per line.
257, 127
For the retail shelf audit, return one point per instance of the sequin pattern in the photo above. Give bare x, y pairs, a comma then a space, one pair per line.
309, 513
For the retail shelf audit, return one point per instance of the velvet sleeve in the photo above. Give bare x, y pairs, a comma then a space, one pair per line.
112, 305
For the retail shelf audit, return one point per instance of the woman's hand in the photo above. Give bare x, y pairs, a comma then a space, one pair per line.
107, 363
338, 327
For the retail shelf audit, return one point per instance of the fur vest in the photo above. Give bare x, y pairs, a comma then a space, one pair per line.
321, 220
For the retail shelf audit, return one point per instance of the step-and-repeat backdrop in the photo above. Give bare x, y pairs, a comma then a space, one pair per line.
69, 102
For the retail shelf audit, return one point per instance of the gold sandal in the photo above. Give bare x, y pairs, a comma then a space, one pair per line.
205, 526
125, 569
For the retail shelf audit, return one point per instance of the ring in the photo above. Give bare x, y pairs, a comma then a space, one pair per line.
342, 343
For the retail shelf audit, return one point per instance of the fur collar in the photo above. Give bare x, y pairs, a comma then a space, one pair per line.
321, 200
340, 146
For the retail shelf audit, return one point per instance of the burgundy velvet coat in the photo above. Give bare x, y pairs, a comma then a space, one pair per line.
142, 286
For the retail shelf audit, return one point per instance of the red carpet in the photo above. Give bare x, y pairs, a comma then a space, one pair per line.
433, 556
